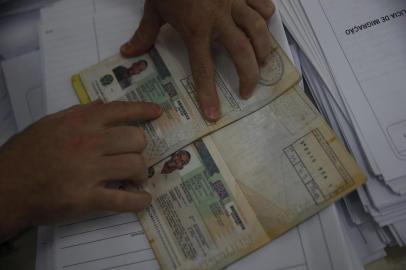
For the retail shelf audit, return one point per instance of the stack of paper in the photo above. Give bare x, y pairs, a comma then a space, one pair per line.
353, 57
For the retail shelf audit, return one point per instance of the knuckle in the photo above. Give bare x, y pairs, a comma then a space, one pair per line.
86, 141
259, 27
191, 33
137, 135
243, 46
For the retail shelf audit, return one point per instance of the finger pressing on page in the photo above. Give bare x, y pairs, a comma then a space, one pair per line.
255, 27
244, 58
119, 112
146, 34
202, 66
124, 139
121, 201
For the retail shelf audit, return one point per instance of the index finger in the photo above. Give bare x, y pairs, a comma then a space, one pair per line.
202, 67
117, 112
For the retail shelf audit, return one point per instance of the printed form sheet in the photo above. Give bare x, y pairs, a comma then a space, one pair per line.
364, 44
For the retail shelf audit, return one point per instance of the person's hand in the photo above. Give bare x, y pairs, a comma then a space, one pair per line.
239, 25
58, 167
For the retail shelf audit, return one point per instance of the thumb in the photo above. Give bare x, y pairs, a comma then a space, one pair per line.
146, 34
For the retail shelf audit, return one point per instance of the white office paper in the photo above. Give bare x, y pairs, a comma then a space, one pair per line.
110, 241
26, 95
81, 45
66, 48
115, 241
18, 34
21, 6
298, 23
377, 196
368, 60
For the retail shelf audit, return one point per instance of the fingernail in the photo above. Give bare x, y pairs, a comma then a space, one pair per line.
212, 113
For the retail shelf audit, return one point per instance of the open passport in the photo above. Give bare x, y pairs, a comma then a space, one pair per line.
222, 190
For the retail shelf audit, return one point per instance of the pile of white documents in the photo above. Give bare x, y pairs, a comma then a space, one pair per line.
341, 237
353, 57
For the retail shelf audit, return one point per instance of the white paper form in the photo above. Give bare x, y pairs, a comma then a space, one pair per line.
292, 11
80, 45
63, 10
318, 243
380, 197
365, 233
19, 34
117, 242
66, 48
107, 5
110, 241
368, 245
22, 6
369, 66
26, 94
45, 248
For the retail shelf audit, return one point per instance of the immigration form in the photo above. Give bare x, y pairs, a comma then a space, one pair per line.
270, 163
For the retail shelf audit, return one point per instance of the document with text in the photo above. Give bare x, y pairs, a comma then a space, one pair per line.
159, 76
